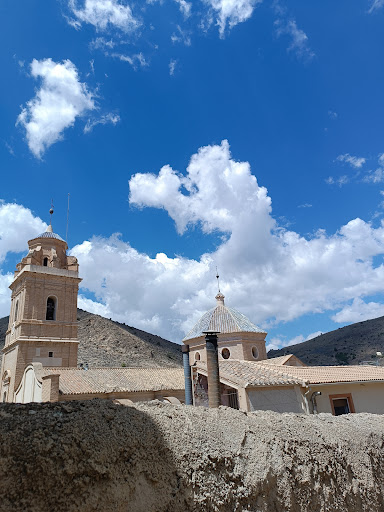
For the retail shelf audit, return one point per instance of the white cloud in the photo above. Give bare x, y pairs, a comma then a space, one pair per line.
17, 226
354, 161
332, 114
106, 119
376, 4
342, 180
279, 342
133, 60
181, 36
299, 39
305, 205
231, 12
359, 311
100, 43
185, 7
376, 176
59, 101
269, 273
172, 66
103, 14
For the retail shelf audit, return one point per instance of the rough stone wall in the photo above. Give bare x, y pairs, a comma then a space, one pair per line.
98, 456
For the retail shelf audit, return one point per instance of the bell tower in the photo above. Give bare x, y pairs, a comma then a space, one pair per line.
43, 319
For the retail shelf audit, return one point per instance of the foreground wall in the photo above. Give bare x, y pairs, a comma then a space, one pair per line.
98, 456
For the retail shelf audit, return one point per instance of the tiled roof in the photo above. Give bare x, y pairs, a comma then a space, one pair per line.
74, 381
223, 320
48, 234
265, 373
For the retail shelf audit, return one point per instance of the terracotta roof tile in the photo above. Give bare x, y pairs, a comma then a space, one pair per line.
74, 381
268, 373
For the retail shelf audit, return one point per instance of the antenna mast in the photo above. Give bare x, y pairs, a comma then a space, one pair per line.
66, 232
217, 277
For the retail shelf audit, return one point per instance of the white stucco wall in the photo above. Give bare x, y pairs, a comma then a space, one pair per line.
278, 399
30, 389
367, 397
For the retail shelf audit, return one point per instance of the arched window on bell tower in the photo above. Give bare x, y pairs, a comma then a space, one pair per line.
51, 308
16, 310
45, 262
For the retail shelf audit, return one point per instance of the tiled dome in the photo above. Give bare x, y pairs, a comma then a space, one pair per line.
49, 234
223, 320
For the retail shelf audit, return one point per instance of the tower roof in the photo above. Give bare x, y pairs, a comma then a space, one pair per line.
222, 319
48, 233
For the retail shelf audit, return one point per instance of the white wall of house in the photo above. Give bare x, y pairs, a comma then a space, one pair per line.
367, 396
278, 399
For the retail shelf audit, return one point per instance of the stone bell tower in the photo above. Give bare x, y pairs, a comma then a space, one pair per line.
43, 319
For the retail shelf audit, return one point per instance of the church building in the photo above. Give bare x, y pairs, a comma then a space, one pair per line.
39, 362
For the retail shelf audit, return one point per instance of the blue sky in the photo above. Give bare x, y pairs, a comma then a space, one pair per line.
126, 106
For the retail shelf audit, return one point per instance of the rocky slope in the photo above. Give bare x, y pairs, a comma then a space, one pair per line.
348, 345
98, 456
104, 342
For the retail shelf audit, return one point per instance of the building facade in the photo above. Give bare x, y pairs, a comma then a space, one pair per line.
250, 381
39, 362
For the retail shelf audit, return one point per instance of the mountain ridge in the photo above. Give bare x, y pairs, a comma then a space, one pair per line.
349, 345
106, 343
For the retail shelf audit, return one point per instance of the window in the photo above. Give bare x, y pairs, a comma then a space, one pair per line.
225, 353
51, 309
45, 262
50, 354
255, 352
341, 404
197, 356
16, 310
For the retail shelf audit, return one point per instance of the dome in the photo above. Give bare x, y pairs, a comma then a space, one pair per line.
49, 234
222, 319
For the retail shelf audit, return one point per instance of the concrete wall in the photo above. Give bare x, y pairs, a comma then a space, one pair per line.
367, 397
278, 399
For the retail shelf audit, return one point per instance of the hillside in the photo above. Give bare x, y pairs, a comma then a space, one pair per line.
347, 345
104, 342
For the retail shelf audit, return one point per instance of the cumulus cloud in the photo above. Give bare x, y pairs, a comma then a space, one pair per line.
17, 226
353, 161
103, 14
59, 101
279, 341
359, 311
269, 273
299, 40
231, 12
